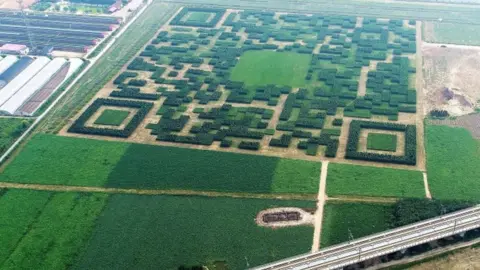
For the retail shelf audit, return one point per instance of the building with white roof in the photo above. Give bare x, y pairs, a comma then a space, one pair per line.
21, 79
7, 62
33, 85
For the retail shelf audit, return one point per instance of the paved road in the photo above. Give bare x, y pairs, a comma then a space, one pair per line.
383, 243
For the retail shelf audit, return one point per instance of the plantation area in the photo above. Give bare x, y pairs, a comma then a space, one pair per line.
262, 81
10, 130
383, 142
136, 232
453, 33
452, 163
344, 221
86, 162
346, 179
44, 230
112, 117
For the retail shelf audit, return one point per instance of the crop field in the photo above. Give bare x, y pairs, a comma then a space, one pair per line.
10, 130
452, 163
112, 117
452, 33
264, 82
346, 179
44, 230
88, 162
136, 232
348, 221
385, 142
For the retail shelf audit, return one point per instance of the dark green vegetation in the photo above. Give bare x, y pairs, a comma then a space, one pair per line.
86, 162
356, 126
346, 179
384, 142
49, 159
10, 130
413, 210
270, 67
112, 117
348, 221
146, 232
262, 59
453, 159
198, 17
44, 230
142, 109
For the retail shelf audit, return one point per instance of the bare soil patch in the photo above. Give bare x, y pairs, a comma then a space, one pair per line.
467, 259
470, 122
451, 78
284, 217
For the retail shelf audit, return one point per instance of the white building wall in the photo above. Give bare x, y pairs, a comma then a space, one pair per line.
33, 85
10, 89
7, 62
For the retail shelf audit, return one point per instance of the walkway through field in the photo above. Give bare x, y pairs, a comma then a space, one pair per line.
320, 205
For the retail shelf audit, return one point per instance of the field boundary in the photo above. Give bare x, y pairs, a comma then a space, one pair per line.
87, 68
322, 197
66, 188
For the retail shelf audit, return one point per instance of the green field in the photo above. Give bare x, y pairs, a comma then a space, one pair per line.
112, 117
198, 16
453, 159
269, 67
86, 162
383, 142
10, 130
146, 232
43, 230
342, 221
50, 159
455, 33
346, 179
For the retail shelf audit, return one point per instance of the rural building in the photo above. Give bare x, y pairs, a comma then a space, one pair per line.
33, 85
14, 70
21, 79
14, 49
7, 62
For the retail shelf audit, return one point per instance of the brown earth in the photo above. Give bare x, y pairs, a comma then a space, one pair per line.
468, 259
470, 122
454, 68
13, 4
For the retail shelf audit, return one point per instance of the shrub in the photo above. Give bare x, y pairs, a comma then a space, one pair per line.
249, 145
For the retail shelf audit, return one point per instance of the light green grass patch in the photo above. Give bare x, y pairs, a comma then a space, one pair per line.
152, 232
112, 117
44, 230
10, 130
51, 159
296, 176
346, 179
269, 67
345, 221
383, 142
455, 33
453, 159
197, 16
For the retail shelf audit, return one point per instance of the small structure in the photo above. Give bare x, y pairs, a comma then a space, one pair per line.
14, 49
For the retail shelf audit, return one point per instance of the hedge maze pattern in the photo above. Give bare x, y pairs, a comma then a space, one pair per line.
190, 63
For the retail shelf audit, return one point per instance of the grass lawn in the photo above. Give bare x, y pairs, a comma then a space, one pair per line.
43, 230
10, 130
146, 232
383, 142
157, 167
269, 67
453, 159
358, 219
198, 16
346, 179
51, 159
112, 117
455, 33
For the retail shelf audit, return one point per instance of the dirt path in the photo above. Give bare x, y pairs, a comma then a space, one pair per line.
421, 164
317, 233
60, 188
427, 188
363, 199
362, 82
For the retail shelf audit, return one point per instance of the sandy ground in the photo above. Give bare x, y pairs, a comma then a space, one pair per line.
321, 198
470, 122
454, 68
427, 187
306, 217
468, 259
